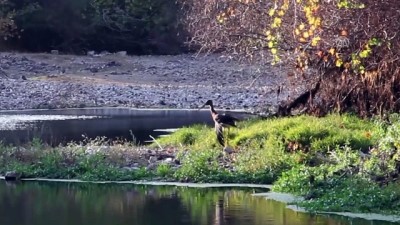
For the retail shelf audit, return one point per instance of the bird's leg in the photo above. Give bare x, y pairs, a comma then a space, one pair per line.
223, 135
227, 149
227, 137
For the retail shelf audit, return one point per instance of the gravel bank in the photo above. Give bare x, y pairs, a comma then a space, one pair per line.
32, 81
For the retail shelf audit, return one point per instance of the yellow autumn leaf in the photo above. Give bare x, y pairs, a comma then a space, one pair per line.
271, 12
356, 62
332, 51
281, 13
315, 40
274, 51
307, 10
365, 53
306, 35
339, 63
362, 69
311, 20
270, 44
277, 22
276, 58
297, 32
301, 26
317, 22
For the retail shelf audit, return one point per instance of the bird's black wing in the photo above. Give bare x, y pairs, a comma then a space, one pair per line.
220, 134
226, 119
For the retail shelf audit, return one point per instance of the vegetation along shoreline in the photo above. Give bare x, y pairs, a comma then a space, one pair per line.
336, 163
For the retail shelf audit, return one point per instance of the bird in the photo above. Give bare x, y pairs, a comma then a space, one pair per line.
221, 121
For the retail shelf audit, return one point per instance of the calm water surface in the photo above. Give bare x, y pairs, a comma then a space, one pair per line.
66, 125
33, 203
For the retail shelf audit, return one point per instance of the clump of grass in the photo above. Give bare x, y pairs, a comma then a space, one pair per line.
310, 133
164, 170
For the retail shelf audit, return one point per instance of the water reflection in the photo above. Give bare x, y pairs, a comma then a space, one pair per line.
79, 204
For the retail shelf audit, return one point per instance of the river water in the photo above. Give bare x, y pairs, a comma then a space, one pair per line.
41, 203
65, 125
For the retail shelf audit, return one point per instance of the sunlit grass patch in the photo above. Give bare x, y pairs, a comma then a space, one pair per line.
309, 133
184, 136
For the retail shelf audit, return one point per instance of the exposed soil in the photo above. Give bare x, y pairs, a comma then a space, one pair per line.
29, 81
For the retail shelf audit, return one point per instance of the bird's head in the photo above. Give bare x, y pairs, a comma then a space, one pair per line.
208, 102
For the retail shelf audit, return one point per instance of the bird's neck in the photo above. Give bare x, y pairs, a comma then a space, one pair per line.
213, 110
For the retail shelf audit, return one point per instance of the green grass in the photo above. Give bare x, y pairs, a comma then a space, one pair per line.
274, 145
315, 134
356, 195
197, 136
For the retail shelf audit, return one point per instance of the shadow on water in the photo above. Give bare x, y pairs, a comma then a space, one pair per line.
80, 204
66, 125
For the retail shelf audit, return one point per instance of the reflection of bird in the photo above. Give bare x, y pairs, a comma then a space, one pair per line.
221, 122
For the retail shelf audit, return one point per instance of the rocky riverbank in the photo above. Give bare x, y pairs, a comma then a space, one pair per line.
32, 81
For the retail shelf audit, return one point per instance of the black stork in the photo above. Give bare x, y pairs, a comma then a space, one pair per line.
221, 121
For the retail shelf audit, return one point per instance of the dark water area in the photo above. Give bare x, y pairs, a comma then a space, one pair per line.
36, 203
62, 126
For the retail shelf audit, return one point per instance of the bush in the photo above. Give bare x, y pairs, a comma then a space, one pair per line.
383, 164
7, 25
139, 27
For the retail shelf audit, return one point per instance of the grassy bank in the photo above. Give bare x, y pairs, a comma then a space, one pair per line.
338, 163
